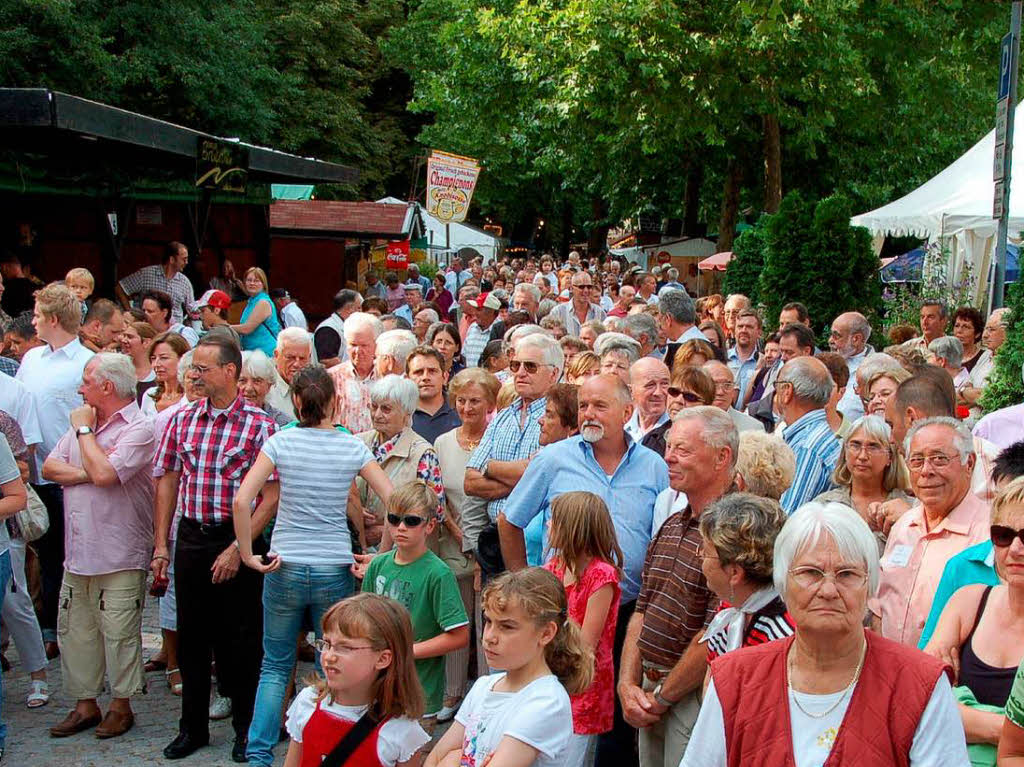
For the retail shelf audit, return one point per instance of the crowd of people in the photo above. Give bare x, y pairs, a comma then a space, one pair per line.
551, 513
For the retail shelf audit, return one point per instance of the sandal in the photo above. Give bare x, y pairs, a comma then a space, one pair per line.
155, 664
174, 687
39, 693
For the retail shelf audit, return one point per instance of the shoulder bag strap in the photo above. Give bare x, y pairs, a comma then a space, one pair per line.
352, 739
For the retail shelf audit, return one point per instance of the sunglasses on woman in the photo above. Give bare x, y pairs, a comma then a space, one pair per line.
1003, 536
410, 520
688, 396
531, 367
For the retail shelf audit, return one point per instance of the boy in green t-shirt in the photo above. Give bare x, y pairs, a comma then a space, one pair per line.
420, 580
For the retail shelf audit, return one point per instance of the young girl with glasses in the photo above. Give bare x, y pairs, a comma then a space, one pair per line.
521, 715
587, 559
367, 657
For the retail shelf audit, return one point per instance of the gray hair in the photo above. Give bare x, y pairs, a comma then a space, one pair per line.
258, 365
873, 364
596, 325
294, 335
360, 321
963, 440
397, 389
806, 528
766, 463
118, 369
672, 274
544, 308
948, 348
642, 324
430, 315
718, 429
859, 324
184, 363
525, 287
548, 346
397, 344
678, 305
517, 332
812, 383
617, 342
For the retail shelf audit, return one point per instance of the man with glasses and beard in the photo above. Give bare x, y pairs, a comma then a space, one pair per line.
604, 460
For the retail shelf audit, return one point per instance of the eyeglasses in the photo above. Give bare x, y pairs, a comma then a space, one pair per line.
688, 396
812, 578
1003, 536
937, 460
588, 286
410, 520
873, 449
531, 367
203, 369
322, 646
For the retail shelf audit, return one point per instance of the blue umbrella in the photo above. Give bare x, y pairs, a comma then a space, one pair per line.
907, 268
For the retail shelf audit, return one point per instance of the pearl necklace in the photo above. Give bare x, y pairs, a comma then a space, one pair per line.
846, 690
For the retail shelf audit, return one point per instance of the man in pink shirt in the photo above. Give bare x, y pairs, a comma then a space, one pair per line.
103, 463
946, 519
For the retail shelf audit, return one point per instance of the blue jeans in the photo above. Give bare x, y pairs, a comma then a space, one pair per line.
287, 593
5, 579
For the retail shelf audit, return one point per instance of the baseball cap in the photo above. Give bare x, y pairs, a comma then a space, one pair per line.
216, 299
488, 301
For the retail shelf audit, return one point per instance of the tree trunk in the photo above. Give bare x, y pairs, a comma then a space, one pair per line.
772, 164
597, 242
566, 223
691, 200
730, 205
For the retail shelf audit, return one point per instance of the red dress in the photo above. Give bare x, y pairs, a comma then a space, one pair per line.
593, 709
324, 731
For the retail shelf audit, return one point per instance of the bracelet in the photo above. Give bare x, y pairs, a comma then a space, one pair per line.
165, 559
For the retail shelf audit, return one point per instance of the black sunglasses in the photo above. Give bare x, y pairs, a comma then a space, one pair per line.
1003, 536
531, 367
689, 396
411, 520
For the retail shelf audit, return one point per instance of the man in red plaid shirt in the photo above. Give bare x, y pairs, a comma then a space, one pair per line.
205, 453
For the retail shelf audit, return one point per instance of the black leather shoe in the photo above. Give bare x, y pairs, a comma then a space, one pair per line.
238, 750
183, 745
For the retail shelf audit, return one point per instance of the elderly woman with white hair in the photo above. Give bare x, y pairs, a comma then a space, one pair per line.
255, 381
618, 352
354, 376
393, 348
403, 454
833, 693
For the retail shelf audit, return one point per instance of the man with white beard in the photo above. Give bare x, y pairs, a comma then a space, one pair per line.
603, 460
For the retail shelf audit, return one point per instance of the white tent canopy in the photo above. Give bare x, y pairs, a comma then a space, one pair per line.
956, 206
459, 235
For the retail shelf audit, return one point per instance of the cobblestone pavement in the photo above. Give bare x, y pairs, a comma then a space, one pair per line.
156, 722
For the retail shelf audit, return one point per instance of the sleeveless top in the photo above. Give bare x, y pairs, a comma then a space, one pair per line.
324, 731
264, 337
991, 685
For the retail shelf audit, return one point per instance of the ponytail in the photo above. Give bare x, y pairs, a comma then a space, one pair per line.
540, 595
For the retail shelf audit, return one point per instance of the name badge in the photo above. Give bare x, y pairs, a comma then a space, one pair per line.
900, 555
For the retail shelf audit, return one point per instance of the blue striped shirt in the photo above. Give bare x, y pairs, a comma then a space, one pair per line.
817, 452
504, 440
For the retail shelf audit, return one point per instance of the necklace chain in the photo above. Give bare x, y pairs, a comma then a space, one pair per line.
470, 444
846, 690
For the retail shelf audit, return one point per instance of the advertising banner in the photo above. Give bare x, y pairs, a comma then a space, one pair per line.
451, 180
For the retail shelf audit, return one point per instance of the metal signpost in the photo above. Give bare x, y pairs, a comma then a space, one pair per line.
1009, 57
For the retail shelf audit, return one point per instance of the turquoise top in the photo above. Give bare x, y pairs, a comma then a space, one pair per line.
263, 337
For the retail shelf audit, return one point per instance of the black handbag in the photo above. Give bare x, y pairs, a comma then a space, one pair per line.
488, 551
350, 741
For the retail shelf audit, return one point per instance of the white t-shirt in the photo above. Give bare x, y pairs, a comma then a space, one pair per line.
539, 715
292, 317
316, 468
939, 740
399, 738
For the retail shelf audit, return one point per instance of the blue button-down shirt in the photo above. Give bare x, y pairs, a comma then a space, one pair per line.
629, 494
817, 451
742, 370
504, 440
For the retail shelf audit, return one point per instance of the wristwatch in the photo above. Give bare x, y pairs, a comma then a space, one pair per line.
656, 694
83, 430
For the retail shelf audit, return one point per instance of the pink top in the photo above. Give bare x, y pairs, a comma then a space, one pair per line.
108, 529
1002, 427
913, 562
353, 397
395, 298
592, 709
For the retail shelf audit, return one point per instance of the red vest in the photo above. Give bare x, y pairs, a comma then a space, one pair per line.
324, 731
895, 685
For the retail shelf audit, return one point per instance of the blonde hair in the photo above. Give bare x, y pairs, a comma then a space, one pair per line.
81, 275
874, 427
1011, 494
581, 364
506, 395
415, 497
688, 350
57, 301
581, 527
766, 463
262, 275
482, 378
386, 625
896, 375
541, 596
742, 527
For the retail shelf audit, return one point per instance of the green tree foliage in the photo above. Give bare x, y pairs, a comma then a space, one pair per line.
744, 270
1005, 386
298, 76
814, 256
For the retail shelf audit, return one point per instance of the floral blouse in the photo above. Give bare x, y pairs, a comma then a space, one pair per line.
428, 470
